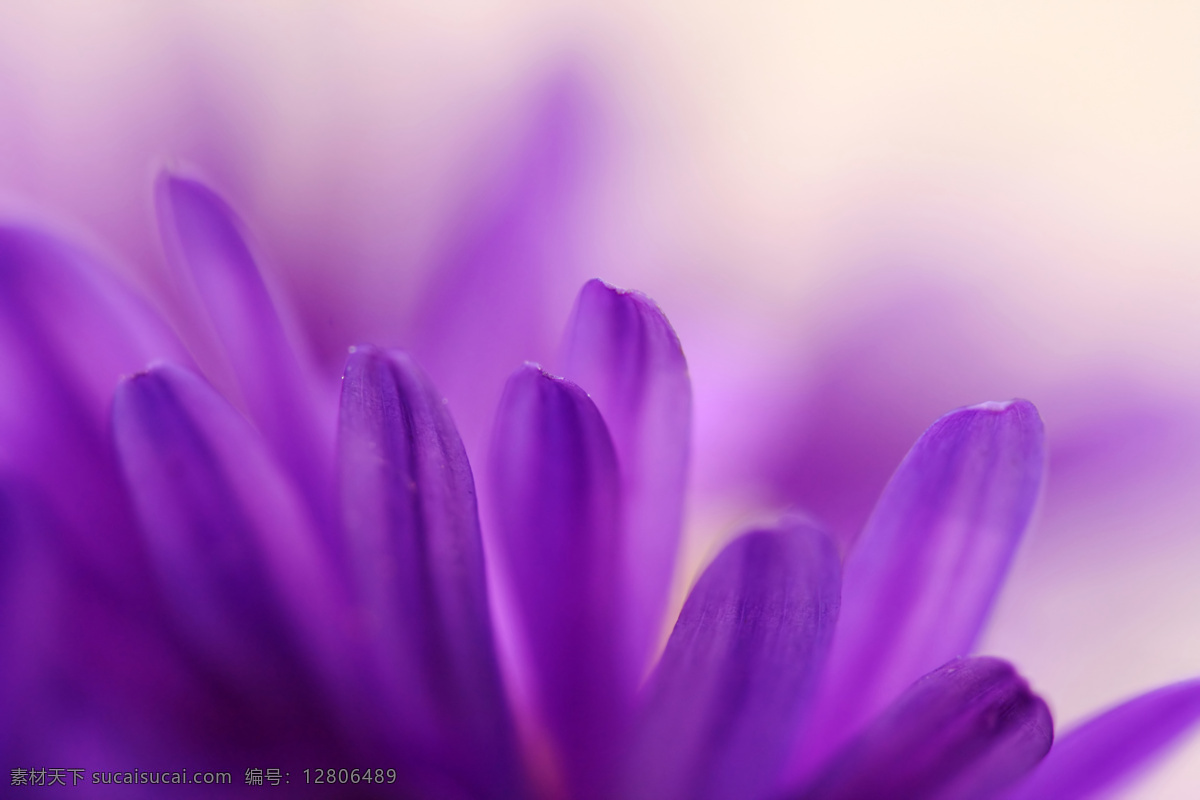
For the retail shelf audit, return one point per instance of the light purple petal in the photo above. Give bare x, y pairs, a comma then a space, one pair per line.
723, 705
512, 253
556, 504
622, 351
235, 553
412, 531
1113, 746
203, 233
922, 578
68, 331
964, 731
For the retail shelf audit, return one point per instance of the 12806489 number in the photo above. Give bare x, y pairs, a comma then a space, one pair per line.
349, 776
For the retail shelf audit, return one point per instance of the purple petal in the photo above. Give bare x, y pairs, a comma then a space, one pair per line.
512, 253
203, 232
234, 550
922, 578
1113, 746
964, 731
68, 331
412, 528
86, 676
556, 504
22, 586
724, 702
620, 348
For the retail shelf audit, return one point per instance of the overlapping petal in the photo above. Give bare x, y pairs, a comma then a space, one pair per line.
620, 348
20, 568
237, 557
557, 523
203, 233
87, 674
924, 574
965, 731
232, 531
415, 554
1114, 745
739, 670
68, 331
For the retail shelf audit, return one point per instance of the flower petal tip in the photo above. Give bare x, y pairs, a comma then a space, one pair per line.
737, 675
620, 348
1115, 746
968, 487
970, 728
601, 285
1000, 406
1015, 407
556, 504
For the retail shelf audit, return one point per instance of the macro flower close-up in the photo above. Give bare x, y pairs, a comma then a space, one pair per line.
332, 465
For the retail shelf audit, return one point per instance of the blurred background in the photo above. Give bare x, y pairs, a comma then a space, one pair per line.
858, 215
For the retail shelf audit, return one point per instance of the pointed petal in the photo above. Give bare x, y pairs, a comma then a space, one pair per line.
68, 331
412, 529
922, 578
724, 702
1113, 746
234, 551
556, 503
621, 350
203, 233
964, 731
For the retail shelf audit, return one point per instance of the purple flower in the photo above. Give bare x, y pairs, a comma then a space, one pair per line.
254, 579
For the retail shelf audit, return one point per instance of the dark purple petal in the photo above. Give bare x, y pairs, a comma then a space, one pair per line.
412, 530
22, 585
87, 676
1113, 746
964, 731
68, 331
556, 507
739, 670
621, 350
203, 232
233, 548
922, 578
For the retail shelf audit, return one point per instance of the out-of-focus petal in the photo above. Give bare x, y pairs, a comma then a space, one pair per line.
19, 657
68, 331
966, 730
738, 672
1113, 746
235, 553
412, 531
922, 577
621, 350
511, 254
556, 506
203, 233
86, 676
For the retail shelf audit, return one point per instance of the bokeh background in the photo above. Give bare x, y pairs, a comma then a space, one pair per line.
858, 215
